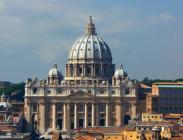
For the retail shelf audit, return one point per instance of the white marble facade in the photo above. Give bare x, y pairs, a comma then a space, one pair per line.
90, 94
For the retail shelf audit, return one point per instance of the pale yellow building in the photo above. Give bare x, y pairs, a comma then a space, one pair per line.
135, 135
113, 133
146, 117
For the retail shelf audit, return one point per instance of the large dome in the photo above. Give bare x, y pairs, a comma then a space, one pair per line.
90, 46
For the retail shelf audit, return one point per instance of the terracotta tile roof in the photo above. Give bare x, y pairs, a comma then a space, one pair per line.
180, 137
84, 137
168, 83
103, 129
158, 123
176, 116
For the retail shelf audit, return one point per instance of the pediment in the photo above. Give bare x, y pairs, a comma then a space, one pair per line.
81, 94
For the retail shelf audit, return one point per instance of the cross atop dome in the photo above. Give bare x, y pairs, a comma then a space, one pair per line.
55, 65
90, 27
90, 21
121, 66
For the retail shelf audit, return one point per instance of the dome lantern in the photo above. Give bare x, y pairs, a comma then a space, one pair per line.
90, 28
55, 65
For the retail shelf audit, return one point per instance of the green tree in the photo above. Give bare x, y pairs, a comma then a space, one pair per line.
14, 91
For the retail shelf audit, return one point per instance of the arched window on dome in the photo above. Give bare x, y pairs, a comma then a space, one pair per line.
80, 71
104, 71
71, 70
97, 71
88, 71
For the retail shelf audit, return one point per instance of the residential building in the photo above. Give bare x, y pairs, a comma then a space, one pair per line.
166, 97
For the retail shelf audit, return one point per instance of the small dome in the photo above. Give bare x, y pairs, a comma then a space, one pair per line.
54, 72
120, 72
90, 46
3, 97
5, 104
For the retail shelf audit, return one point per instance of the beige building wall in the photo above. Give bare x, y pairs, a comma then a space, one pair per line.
147, 117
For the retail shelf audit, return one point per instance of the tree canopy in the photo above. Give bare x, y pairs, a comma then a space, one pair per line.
14, 91
149, 82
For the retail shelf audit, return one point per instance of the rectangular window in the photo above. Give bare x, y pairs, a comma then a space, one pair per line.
48, 91
102, 107
59, 107
113, 92
34, 90
59, 90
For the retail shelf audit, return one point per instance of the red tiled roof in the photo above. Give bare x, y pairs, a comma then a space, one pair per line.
86, 137
176, 116
168, 83
103, 129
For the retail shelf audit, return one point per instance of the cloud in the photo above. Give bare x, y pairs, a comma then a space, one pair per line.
167, 16
44, 30
47, 54
164, 17
179, 36
51, 51
1, 7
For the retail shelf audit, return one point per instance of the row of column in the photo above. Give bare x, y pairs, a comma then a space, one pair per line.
66, 116
73, 72
95, 115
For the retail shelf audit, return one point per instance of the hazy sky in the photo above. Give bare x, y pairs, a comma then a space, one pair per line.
145, 36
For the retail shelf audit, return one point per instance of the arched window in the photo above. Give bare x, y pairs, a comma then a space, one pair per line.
80, 71
34, 90
88, 71
97, 71
114, 81
127, 91
71, 70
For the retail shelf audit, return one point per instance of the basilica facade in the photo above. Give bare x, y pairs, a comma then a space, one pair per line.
91, 93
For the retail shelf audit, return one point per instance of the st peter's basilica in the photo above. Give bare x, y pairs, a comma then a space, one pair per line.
91, 93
